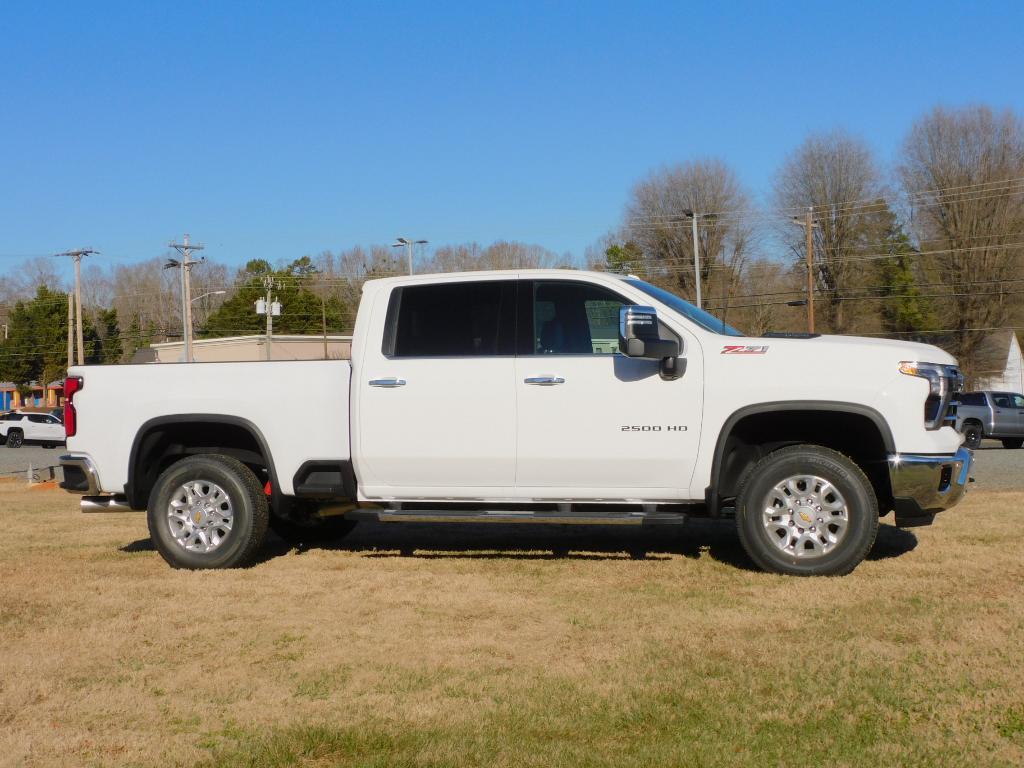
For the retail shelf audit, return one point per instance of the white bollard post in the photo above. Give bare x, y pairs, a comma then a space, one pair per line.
29, 478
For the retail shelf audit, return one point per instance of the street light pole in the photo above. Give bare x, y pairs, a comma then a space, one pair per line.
193, 301
404, 241
696, 254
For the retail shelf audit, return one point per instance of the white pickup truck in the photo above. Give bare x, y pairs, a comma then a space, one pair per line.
551, 396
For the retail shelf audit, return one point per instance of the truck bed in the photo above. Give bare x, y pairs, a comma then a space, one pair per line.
300, 409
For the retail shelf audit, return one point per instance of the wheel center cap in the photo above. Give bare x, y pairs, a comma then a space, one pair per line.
198, 516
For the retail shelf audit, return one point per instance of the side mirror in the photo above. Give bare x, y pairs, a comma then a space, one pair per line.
638, 335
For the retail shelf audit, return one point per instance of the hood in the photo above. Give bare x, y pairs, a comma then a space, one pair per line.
839, 348
906, 350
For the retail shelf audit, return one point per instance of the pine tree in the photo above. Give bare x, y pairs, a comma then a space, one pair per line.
904, 310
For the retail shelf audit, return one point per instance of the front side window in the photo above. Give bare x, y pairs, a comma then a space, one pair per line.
1018, 401
575, 319
452, 320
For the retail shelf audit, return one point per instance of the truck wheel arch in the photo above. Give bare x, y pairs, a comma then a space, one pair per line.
734, 453
243, 441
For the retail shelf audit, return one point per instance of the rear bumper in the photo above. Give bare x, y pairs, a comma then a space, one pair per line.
80, 475
923, 485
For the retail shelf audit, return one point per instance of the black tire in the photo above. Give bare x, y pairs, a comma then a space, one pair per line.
1013, 442
846, 478
973, 434
251, 512
303, 526
15, 438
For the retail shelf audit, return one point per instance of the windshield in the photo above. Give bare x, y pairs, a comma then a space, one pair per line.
705, 320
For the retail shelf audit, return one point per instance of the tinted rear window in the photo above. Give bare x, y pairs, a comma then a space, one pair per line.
972, 398
452, 320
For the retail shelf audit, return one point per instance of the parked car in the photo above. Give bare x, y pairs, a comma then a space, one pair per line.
18, 428
997, 415
494, 397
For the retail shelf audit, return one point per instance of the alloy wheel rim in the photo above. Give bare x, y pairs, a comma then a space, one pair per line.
805, 516
200, 516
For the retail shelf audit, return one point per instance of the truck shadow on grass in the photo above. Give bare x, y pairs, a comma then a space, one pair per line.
696, 539
716, 539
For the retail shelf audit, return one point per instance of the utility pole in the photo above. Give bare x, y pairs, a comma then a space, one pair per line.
76, 256
323, 319
809, 224
185, 265
71, 337
269, 307
409, 244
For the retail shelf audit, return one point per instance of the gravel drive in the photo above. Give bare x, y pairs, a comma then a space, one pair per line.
18, 459
995, 468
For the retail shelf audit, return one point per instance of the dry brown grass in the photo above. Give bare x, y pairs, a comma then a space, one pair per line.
484, 648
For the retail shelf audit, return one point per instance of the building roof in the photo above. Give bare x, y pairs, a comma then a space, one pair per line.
251, 337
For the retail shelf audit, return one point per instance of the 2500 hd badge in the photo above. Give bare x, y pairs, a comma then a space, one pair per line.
653, 428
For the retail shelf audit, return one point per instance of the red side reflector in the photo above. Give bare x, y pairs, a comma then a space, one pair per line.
267, 489
72, 384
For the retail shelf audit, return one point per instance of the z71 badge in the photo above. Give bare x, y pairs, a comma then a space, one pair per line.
739, 349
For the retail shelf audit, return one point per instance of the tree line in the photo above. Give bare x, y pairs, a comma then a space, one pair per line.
926, 249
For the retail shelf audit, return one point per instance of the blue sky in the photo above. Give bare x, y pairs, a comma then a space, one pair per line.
274, 130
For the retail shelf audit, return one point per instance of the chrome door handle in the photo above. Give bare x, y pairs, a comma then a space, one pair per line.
544, 381
389, 383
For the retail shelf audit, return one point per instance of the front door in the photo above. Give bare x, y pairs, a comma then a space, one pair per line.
1017, 403
437, 401
593, 423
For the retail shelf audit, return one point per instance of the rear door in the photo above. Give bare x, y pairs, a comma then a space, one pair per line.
593, 423
41, 426
436, 400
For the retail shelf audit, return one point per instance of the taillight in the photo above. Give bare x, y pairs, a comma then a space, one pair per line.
72, 384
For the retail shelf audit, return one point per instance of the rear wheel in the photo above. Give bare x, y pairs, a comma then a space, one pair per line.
15, 438
1013, 442
806, 510
208, 511
973, 434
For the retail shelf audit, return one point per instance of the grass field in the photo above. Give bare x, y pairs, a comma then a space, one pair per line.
530, 646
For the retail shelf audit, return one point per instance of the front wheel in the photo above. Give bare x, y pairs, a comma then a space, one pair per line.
15, 438
1013, 442
973, 435
807, 510
208, 511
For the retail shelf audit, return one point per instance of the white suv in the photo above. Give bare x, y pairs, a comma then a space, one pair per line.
16, 428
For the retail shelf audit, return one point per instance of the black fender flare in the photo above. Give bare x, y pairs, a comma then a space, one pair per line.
836, 406
203, 418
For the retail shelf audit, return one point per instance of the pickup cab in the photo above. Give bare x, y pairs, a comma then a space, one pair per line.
537, 396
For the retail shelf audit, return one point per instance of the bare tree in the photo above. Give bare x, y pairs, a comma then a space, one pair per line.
962, 171
657, 222
500, 255
837, 175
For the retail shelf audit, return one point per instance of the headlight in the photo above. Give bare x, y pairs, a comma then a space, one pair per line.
943, 382
933, 372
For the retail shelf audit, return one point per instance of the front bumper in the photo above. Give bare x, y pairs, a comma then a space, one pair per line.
79, 475
923, 485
